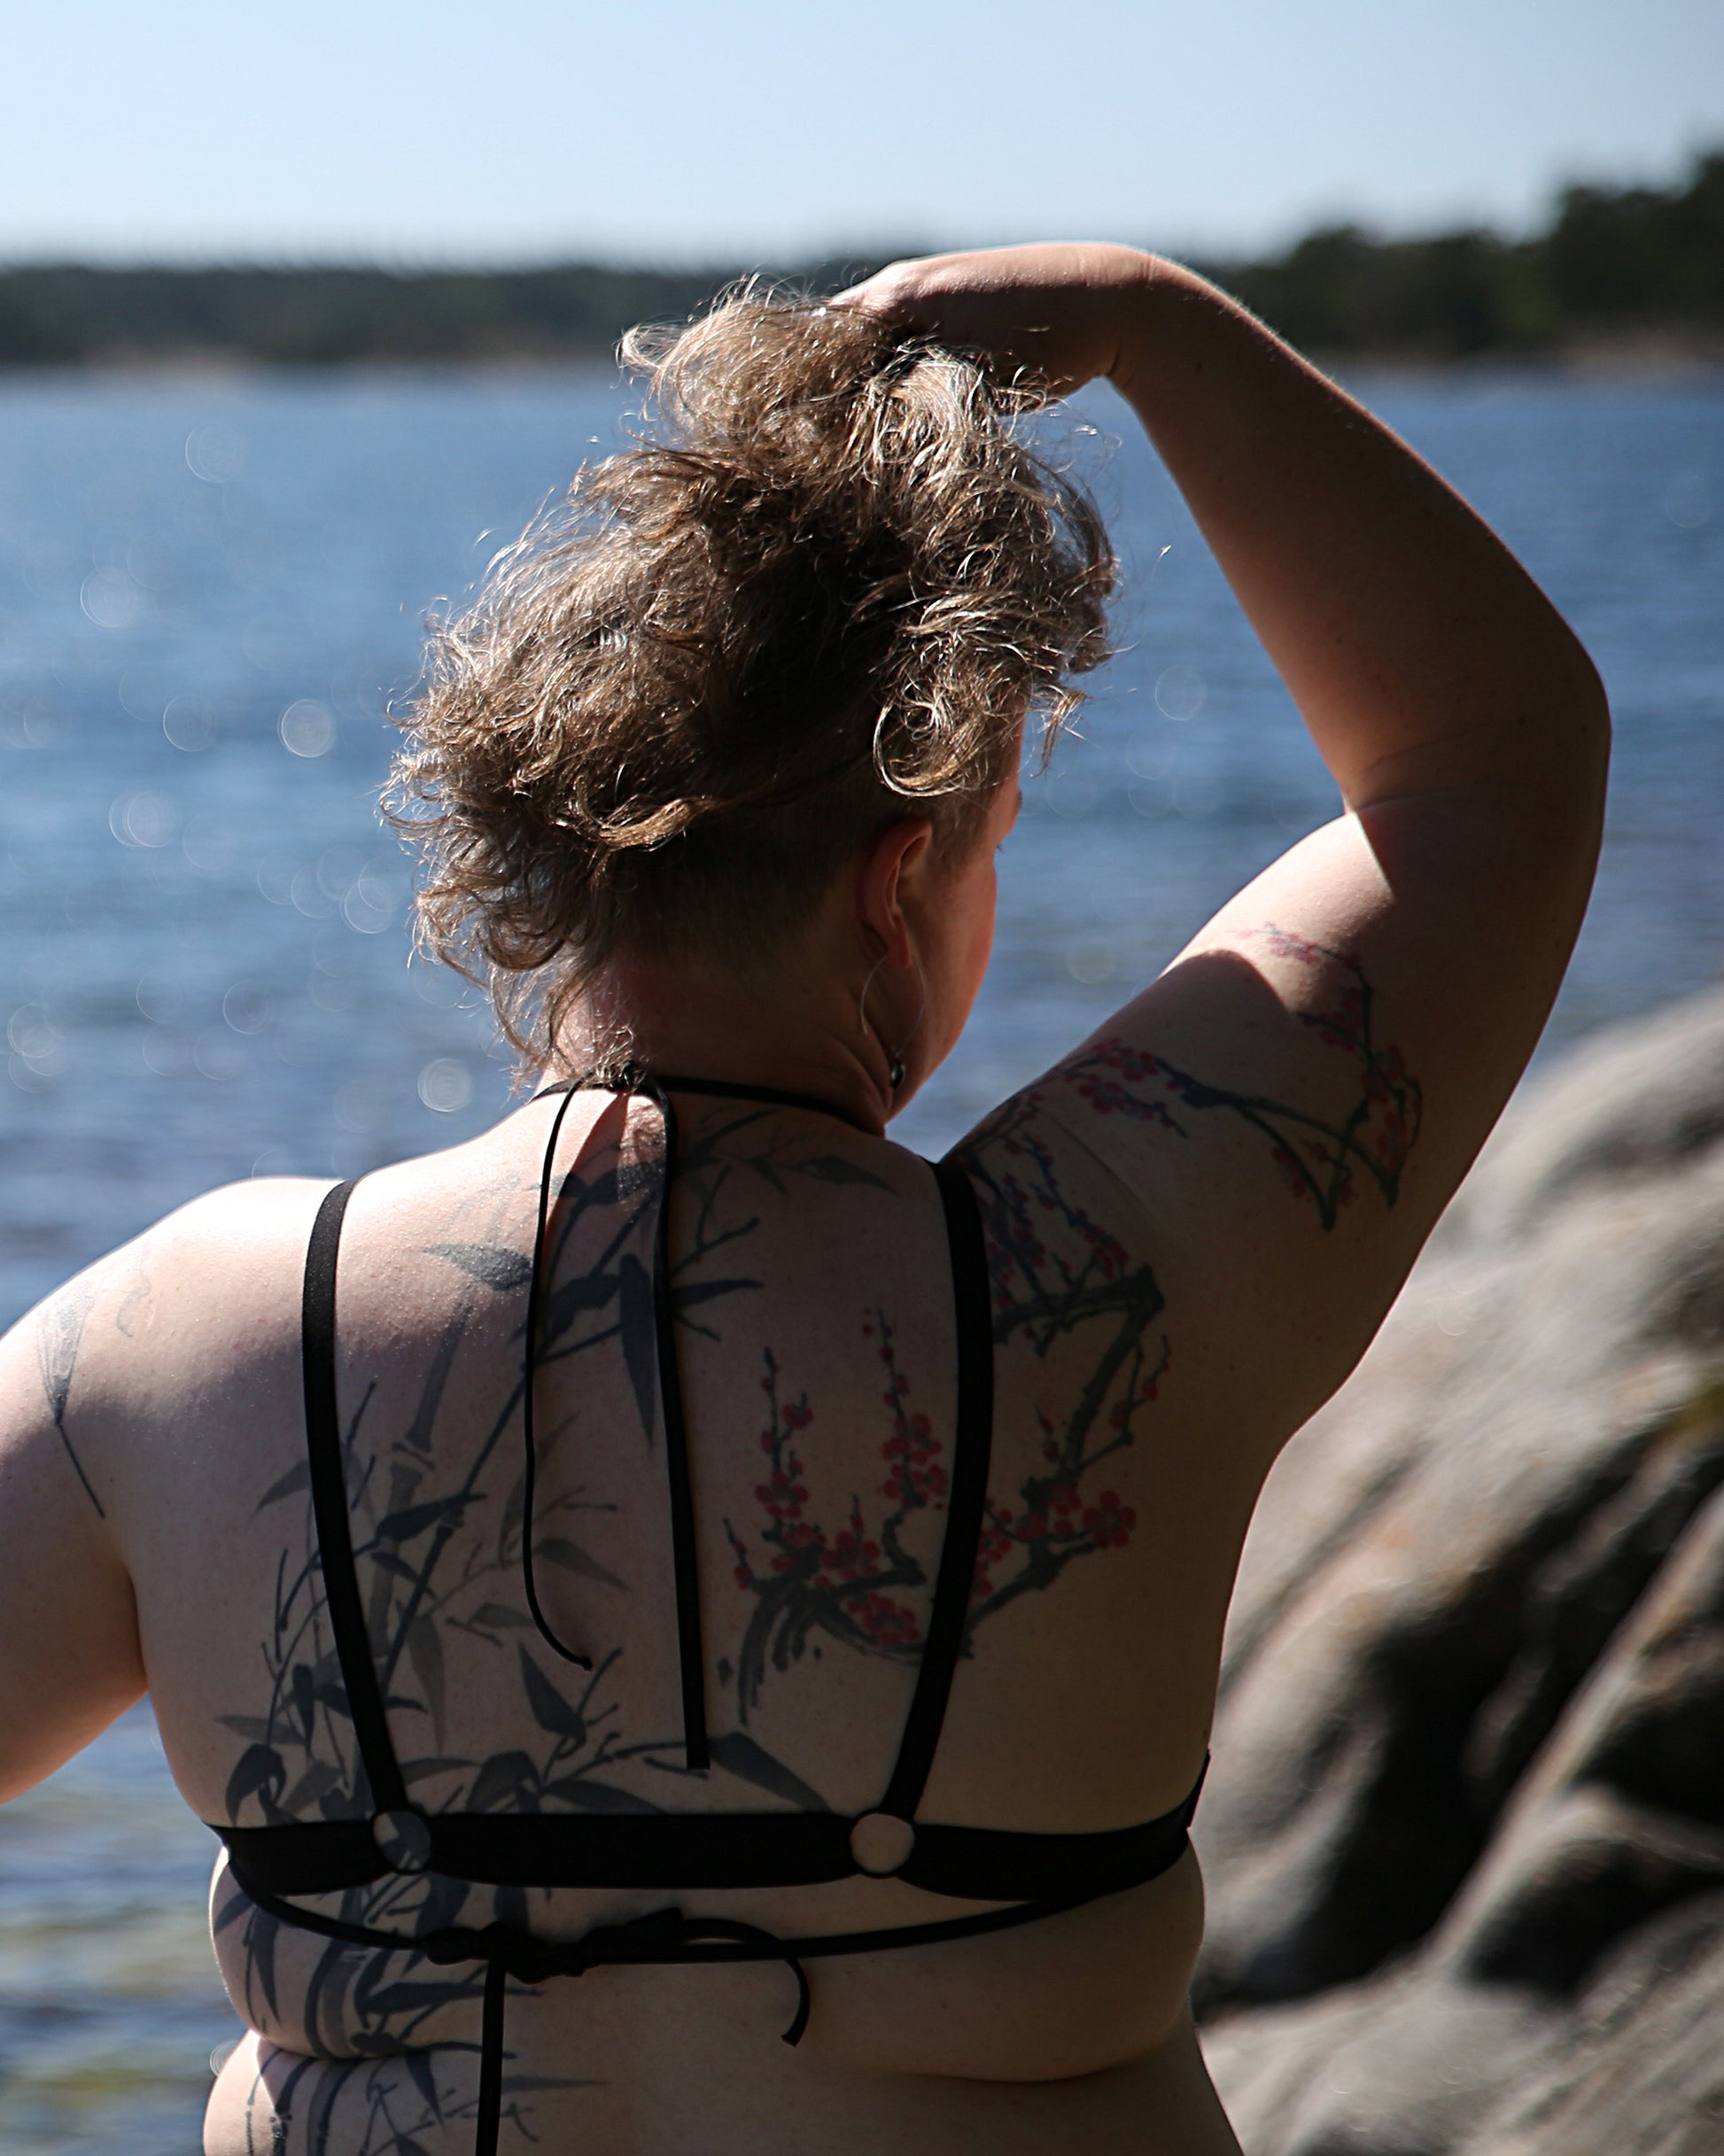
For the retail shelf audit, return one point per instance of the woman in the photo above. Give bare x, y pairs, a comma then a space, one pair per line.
675, 1542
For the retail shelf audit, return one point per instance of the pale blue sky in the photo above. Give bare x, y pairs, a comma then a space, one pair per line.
759, 130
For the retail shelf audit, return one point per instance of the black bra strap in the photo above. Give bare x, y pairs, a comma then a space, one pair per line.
329, 1501
967, 1499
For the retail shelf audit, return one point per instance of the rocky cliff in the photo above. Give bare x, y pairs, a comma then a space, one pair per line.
1465, 1831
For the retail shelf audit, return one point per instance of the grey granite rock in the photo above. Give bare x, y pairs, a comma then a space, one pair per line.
1464, 1831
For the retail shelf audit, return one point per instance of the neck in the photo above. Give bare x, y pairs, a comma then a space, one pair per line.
789, 1034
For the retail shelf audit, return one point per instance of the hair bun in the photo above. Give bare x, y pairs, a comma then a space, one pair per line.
823, 588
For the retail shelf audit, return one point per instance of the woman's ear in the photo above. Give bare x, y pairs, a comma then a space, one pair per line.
895, 863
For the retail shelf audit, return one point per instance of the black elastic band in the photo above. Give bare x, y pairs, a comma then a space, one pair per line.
966, 1500
700, 1851
630, 1078
720, 1089
329, 1501
685, 1561
665, 1937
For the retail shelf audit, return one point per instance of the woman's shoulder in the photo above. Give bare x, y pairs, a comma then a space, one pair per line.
213, 1249
203, 1301
1233, 1147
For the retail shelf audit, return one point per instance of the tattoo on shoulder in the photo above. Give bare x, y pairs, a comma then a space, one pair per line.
1056, 1273
59, 1334
1322, 1160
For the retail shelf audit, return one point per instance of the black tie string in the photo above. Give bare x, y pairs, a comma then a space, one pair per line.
529, 1366
685, 1566
684, 1559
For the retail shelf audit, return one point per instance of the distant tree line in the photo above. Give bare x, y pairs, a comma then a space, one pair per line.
56, 314
1611, 261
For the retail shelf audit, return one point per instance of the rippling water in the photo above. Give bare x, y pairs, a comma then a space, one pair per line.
208, 592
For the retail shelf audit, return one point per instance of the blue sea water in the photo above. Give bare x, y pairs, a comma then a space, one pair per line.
210, 592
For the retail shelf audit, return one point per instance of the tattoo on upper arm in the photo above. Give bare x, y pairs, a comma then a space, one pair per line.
60, 1333
1320, 1158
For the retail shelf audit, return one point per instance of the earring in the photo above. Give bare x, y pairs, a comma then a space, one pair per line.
897, 1071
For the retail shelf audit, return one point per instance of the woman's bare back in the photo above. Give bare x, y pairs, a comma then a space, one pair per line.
813, 1287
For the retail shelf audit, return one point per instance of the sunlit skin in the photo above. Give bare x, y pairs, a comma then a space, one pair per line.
1192, 1223
888, 968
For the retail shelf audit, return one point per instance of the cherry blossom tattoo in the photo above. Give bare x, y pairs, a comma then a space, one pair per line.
1320, 1159
441, 1542
1054, 1271
840, 1584
806, 1578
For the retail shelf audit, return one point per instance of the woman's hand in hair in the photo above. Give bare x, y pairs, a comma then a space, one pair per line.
1060, 315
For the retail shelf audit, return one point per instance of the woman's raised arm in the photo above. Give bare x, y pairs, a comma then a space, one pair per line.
1420, 653
1354, 1019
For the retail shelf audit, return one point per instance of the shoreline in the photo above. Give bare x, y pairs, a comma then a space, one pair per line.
1653, 357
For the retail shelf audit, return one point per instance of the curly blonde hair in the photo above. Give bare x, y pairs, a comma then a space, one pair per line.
821, 594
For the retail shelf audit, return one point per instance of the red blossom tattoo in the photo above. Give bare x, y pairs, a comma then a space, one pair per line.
1318, 1160
1056, 1271
841, 1584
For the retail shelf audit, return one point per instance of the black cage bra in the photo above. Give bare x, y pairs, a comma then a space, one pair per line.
1034, 1874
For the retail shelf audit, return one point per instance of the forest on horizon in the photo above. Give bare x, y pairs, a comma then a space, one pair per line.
1612, 264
